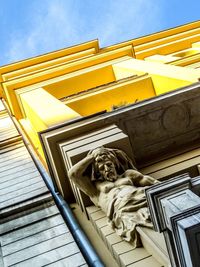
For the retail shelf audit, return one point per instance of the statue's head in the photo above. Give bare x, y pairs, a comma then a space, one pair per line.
109, 163
105, 164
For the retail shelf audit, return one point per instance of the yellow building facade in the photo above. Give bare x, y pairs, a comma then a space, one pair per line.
132, 95
50, 89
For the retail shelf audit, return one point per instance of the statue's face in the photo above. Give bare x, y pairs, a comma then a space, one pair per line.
106, 167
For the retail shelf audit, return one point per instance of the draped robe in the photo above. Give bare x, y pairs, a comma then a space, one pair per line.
125, 206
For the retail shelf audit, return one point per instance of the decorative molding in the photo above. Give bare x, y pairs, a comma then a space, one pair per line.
186, 233
182, 115
156, 193
175, 210
176, 203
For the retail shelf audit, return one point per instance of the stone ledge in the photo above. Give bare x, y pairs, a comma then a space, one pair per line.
121, 250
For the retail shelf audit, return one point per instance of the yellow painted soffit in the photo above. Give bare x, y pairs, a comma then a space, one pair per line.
155, 36
85, 81
67, 68
169, 48
167, 39
124, 93
48, 65
58, 81
9, 93
49, 56
107, 87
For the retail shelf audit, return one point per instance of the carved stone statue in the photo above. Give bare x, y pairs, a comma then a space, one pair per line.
112, 182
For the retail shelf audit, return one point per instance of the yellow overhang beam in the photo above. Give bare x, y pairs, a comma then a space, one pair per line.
165, 77
43, 110
186, 60
161, 58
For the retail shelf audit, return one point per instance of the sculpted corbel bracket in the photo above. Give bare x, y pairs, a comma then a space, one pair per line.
175, 211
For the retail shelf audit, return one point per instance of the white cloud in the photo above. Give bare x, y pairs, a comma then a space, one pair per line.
48, 29
60, 23
128, 19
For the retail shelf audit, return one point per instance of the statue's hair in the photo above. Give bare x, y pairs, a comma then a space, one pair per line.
120, 159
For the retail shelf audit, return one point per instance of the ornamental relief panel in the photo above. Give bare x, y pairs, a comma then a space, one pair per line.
157, 133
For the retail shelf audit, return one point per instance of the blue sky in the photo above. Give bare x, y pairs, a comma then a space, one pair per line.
33, 27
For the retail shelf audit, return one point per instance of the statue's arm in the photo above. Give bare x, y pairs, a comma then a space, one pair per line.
77, 175
80, 167
139, 179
